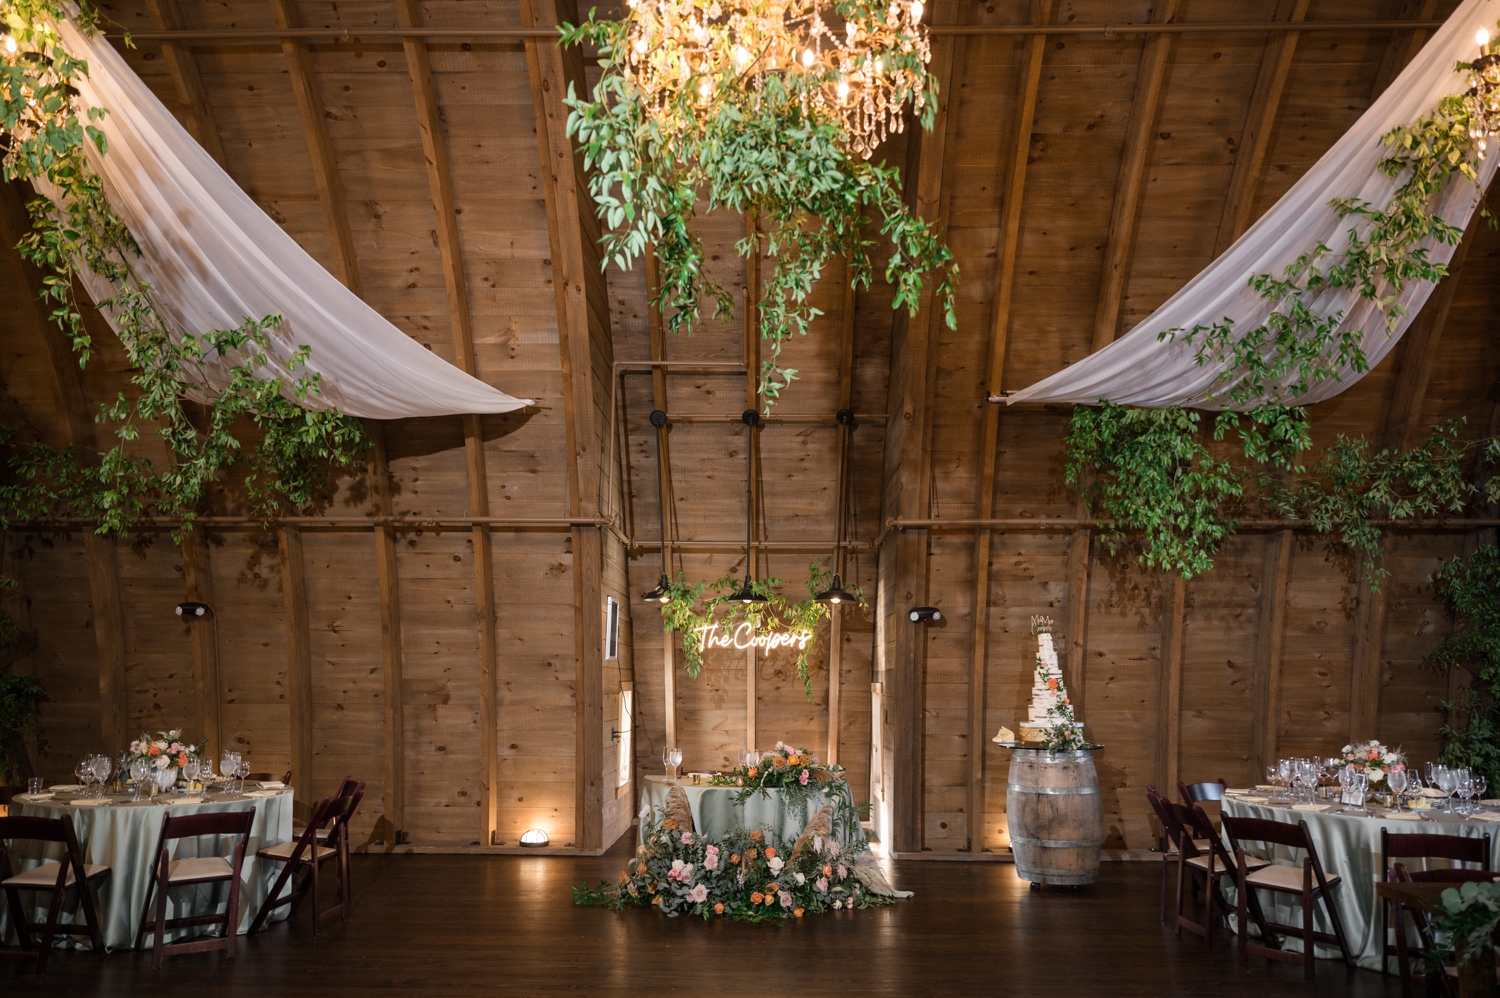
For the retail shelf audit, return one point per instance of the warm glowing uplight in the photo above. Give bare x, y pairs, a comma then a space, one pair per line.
534, 838
1481, 38
10, 44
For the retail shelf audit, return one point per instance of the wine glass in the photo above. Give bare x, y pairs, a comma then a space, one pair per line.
84, 774
241, 771
1361, 787
138, 771
1463, 782
1447, 781
1271, 776
228, 763
101, 766
191, 771
1284, 771
1397, 780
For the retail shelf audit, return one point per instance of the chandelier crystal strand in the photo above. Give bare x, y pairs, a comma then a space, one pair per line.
1482, 101
863, 73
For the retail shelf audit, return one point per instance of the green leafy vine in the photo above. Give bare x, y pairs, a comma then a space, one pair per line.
1470, 590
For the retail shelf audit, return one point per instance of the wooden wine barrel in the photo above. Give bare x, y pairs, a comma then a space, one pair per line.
1056, 816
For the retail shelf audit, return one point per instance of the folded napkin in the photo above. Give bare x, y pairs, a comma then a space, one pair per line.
180, 800
66, 788
1263, 786
272, 785
1310, 807
91, 802
1403, 816
1490, 803
35, 797
1255, 800
1245, 790
1431, 792
262, 793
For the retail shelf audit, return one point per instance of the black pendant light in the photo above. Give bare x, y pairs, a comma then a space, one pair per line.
663, 591
836, 593
747, 593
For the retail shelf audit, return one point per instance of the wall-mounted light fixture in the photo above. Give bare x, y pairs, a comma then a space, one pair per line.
663, 591
534, 838
191, 609
747, 593
836, 593
920, 613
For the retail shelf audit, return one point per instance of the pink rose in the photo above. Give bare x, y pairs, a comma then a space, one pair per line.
785, 899
698, 894
687, 838
843, 872
711, 858
803, 778
821, 884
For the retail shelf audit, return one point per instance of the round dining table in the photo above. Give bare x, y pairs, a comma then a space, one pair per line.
123, 835
1348, 844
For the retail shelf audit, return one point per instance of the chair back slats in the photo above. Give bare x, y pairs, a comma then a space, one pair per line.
1194, 793
1194, 824
1278, 833
1455, 848
270, 777
36, 829
189, 826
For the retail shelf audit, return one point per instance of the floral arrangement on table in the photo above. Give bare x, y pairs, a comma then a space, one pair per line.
796, 771
164, 749
1374, 758
749, 876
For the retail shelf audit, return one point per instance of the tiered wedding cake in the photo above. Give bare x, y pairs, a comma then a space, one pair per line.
1050, 706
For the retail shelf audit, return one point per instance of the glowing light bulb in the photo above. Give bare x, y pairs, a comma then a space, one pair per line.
843, 89
741, 56
1481, 38
10, 44
640, 46
705, 87
916, 10
807, 58
851, 29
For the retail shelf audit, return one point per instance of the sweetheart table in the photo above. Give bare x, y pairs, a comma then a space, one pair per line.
1348, 845
715, 813
123, 835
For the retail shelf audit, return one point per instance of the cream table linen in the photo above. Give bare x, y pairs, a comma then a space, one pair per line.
123, 837
1348, 845
715, 813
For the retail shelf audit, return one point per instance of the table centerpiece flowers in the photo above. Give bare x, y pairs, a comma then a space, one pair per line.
1373, 759
164, 749
794, 770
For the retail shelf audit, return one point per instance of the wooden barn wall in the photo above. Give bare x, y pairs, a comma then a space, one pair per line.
418, 708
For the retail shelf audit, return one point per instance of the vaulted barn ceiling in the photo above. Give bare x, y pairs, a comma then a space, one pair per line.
1083, 179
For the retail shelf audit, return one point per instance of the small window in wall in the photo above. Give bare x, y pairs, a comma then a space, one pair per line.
627, 727
611, 628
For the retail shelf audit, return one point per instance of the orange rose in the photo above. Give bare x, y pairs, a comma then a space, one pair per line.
770, 851
797, 912
182, 759
757, 898
753, 772
756, 836
827, 869
1051, 684
641, 869
669, 824
734, 859
719, 908
770, 900
749, 854
153, 751
780, 763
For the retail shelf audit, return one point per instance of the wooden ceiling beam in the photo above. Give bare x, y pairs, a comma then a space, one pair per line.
325, 165
461, 321
1033, 53
183, 66
1406, 41
1255, 141
587, 360
1134, 163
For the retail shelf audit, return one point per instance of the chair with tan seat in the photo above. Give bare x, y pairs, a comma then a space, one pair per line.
1206, 862
1455, 849
1171, 847
304, 857
1308, 882
1197, 793
173, 874
72, 874
285, 779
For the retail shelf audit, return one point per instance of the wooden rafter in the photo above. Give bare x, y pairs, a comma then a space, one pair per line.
325, 166
1033, 52
99, 552
181, 63
1255, 141
1133, 166
583, 342
1403, 419
1404, 44
298, 655
440, 182
1270, 634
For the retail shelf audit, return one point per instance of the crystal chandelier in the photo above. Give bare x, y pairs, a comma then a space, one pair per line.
1482, 100
860, 61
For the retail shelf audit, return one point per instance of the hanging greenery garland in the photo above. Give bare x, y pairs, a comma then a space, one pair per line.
744, 131
1151, 470
300, 450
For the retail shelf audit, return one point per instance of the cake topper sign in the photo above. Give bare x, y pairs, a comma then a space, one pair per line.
744, 636
1041, 625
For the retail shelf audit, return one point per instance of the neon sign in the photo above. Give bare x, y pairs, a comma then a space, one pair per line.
744, 636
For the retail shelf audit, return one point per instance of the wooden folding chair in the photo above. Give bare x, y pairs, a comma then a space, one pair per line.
304, 857
1171, 847
179, 873
1196, 793
1310, 883
72, 874
1453, 848
285, 778
1204, 860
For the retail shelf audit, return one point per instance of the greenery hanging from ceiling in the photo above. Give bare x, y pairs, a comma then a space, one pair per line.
1470, 590
1153, 471
299, 451
742, 131
682, 614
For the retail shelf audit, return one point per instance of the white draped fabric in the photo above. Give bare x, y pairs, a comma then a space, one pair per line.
1140, 369
214, 259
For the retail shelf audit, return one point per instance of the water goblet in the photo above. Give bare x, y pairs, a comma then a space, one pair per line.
1397, 780
241, 771
1446, 781
138, 771
1271, 776
84, 774
1480, 786
102, 766
228, 763
190, 772
1463, 783
1361, 788
1284, 771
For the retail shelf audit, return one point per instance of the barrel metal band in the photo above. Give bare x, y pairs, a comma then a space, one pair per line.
1056, 843
1051, 790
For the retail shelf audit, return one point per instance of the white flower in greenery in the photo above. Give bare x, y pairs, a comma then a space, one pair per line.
162, 761
785, 899
801, 879
776, 863
817, 843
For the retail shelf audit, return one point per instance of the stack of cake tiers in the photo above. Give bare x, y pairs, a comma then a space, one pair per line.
1047, 690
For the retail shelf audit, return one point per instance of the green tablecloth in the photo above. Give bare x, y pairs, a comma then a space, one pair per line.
124, 835
715, 813
1349, 845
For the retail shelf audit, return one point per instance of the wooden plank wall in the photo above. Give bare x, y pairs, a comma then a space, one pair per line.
1254, 658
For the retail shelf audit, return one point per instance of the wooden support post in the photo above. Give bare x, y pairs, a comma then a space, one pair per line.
1074, 664
836, 612
185, 77
325, 166
587, 359
440, 184
1269, 636
195, 573
1169, 740
984, 507
390, 638
1403, 420
669, 638
1133, 164
1404, 45
99, 552
1255, 141
904, 553
298, 657
752, 401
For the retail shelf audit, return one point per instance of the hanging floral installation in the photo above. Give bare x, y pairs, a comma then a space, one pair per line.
771, 109
1152, 471
299, 451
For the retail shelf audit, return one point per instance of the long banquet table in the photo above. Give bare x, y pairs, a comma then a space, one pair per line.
123, 835
715, 813
1349, 845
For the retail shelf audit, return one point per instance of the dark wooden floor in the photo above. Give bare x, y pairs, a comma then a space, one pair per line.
462, 925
